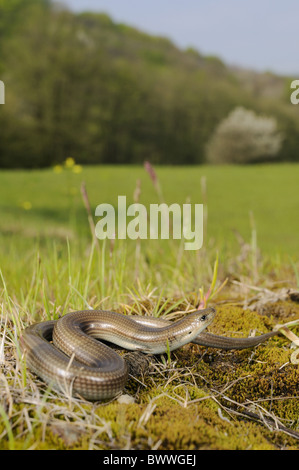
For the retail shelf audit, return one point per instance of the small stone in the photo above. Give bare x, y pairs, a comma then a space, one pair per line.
126, 399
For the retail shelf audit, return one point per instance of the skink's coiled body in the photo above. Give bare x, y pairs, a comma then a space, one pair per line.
79, 364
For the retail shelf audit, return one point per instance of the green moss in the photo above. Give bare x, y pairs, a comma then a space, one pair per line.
232, 320
197, 426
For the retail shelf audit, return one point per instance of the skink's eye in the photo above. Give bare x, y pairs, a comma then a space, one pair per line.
203, 318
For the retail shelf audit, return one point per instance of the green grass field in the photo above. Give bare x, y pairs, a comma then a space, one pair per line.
49, 264
234, 195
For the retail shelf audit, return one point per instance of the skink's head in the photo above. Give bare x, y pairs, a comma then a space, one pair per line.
192, 325
197, 321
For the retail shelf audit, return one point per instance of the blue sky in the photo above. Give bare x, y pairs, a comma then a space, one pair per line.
258, 34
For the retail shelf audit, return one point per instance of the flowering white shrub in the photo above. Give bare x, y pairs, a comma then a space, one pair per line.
244, 137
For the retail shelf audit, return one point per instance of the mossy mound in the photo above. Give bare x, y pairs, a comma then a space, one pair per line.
200, 398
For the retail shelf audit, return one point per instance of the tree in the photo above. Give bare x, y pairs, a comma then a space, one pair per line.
244, 137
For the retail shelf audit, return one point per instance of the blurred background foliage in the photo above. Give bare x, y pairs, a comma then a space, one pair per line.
244, 137
81, 85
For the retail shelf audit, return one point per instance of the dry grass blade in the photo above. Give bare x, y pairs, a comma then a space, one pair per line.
263, 416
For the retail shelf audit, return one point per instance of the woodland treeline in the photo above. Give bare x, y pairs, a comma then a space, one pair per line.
82, 86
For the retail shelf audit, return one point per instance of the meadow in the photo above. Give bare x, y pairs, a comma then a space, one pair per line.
50, 263
39, 201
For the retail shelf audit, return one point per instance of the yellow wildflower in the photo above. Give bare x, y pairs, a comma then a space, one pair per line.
26, 205
69, 162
